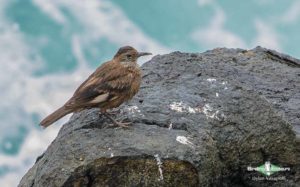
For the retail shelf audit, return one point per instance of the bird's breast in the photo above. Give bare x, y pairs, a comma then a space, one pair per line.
136, 81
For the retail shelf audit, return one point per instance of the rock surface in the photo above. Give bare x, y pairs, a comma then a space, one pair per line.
198, 120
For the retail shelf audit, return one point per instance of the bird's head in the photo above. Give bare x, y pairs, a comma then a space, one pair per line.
128, 54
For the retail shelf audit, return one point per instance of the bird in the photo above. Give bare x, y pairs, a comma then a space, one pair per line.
110, 85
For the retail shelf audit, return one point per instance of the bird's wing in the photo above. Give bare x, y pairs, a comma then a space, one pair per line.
101, 86
95, 76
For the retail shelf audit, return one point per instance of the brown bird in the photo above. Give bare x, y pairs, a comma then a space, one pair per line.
113, 83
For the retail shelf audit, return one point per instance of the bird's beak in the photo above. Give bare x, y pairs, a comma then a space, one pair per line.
143, 54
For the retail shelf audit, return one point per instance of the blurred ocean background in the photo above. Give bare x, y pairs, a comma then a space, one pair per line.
48, 47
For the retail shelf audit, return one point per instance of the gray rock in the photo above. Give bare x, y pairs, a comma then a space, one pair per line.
198, 120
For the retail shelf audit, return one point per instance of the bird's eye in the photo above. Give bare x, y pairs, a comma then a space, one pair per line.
128, 56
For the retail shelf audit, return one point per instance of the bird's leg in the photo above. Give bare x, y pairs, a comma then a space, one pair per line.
115, 123
112, 112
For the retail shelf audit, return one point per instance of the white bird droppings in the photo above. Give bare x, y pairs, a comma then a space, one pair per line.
211, 80
134, 109
182, 107
184, 140
211, 113
170, 126
159, 164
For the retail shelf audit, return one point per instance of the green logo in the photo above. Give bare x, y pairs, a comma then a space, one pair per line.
268, 168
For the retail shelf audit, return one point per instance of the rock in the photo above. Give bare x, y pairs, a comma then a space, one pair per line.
198, 120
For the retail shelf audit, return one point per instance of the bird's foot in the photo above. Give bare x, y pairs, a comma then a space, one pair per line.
118, 124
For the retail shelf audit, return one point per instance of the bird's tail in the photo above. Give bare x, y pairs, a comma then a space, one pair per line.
59, 113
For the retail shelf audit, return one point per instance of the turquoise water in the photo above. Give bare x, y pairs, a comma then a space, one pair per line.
48, 47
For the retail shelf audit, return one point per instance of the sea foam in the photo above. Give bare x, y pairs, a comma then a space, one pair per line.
26, 96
